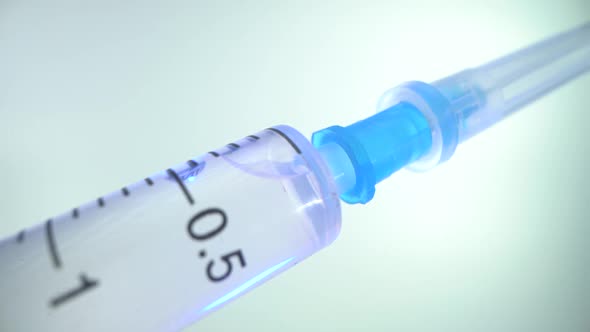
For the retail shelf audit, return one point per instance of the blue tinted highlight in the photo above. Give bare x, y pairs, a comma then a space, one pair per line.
243, 287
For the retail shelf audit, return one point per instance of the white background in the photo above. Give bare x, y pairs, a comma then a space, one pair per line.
99, 94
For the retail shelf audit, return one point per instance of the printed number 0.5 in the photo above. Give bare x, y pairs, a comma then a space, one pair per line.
215, 274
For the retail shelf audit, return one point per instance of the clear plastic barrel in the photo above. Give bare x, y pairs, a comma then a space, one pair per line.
161, 253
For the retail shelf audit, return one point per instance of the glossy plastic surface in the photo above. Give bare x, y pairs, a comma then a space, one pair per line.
160, 254
419, 125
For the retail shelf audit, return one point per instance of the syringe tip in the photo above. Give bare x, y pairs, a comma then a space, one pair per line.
374, 148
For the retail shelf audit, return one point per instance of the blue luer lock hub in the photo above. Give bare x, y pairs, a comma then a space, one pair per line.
379, 145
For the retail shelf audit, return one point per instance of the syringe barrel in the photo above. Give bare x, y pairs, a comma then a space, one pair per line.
162, 253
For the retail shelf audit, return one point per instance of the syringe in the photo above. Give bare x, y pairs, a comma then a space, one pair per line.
162, 253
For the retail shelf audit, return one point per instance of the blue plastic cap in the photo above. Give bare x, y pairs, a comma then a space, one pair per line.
378, 146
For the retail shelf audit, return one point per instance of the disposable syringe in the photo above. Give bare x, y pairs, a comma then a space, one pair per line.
162, 253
